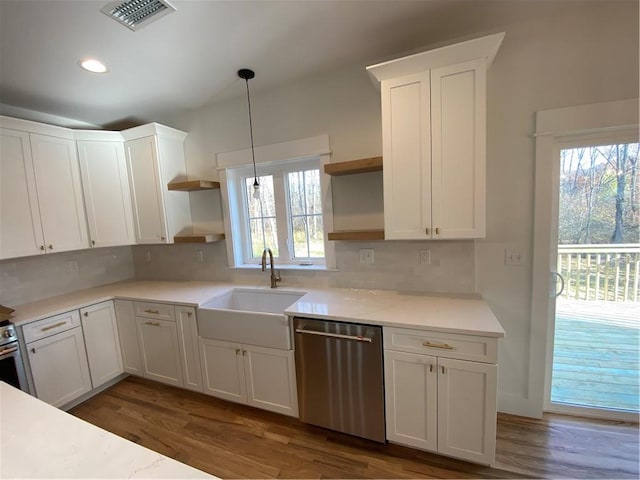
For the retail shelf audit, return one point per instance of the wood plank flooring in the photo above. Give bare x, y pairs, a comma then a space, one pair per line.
236, 441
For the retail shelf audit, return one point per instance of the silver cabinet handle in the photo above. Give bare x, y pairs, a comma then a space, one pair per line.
153, 324
156, 312
446, 346
357, 338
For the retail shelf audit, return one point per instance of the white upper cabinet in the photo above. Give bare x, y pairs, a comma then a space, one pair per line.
43, 209
155, 157
20, 227
106, 188
433, 135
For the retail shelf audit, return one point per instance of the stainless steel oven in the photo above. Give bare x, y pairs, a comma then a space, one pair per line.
11, 365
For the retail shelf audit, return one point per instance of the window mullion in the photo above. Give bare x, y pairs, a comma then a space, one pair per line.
281, 216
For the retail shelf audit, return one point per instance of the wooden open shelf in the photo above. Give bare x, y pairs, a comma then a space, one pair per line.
193, 185
198, 237
364, 165
361, 235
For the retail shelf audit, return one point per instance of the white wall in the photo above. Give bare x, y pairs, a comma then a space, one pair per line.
554, 54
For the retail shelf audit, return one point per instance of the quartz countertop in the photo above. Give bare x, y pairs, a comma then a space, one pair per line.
40, 441
467, 314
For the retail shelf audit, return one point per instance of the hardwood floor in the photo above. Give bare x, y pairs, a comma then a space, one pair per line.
236, 441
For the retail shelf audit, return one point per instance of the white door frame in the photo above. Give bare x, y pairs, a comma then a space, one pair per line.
556, 129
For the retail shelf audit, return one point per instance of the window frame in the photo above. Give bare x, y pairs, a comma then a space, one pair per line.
303, 154
279, 172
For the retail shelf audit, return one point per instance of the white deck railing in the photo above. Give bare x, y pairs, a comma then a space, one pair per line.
600, 272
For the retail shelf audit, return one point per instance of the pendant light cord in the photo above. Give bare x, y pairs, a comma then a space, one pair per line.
253, 154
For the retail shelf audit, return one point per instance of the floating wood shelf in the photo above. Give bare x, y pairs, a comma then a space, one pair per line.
193, 185
198, 237
361, 235
364, 165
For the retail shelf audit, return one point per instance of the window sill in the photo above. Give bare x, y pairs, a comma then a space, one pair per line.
314, 268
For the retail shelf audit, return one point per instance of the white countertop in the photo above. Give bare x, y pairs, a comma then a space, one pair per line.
40, 441
455, 314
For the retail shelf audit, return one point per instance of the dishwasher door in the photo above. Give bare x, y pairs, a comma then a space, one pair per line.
339, 372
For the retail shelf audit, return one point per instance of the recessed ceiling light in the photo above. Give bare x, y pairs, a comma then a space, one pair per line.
93, 65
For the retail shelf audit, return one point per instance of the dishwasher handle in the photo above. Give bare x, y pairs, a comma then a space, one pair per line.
357, 338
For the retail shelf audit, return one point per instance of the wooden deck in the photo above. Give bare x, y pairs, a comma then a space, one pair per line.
596, 351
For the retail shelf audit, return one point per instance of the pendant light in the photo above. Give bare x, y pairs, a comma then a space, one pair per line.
247, 75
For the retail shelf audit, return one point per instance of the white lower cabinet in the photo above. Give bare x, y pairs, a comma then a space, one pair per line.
128, 333
159, 349
188, 338
102, 342
436, 403
258, 376
57, 358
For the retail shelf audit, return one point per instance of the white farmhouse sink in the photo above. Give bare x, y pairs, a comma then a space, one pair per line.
248, 316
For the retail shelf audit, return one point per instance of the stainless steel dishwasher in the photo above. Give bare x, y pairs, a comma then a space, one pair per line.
339, 374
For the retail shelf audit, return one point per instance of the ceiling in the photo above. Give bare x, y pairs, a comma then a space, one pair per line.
189, 58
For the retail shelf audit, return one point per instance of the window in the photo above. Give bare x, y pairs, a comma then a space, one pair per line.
285, 214
293, 209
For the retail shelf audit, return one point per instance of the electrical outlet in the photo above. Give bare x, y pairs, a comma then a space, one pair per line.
513, 257
72, 266
147, 256
425, 257
199, 256
366, 255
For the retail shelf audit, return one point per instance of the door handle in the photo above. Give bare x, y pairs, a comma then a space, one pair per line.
561, 278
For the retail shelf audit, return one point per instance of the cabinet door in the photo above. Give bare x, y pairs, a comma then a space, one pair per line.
20, 227
160, 351
57, 174
102, 342
467, 409
106, 192
458, 149
406, 157
270, 379
146, 191
59, 367
411, 399
188, 337
128, 334
223, 370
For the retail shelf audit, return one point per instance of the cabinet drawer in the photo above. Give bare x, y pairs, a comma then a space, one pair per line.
50, 326
449, 345
154, 310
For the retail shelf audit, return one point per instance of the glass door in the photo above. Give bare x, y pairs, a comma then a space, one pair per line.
596, 339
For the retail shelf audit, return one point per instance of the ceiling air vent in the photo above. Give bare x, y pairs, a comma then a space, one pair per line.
135, 14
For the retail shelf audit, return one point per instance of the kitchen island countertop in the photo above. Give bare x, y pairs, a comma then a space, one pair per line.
40, 441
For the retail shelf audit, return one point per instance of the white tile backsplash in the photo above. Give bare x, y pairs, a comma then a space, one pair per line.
28, 279
397, 266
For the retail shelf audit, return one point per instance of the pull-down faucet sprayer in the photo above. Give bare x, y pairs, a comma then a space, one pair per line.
275, 277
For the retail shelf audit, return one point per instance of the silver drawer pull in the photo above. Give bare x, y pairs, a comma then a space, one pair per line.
446, 346
152, 311
335, 335
153, 324
7, 351
55, 325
